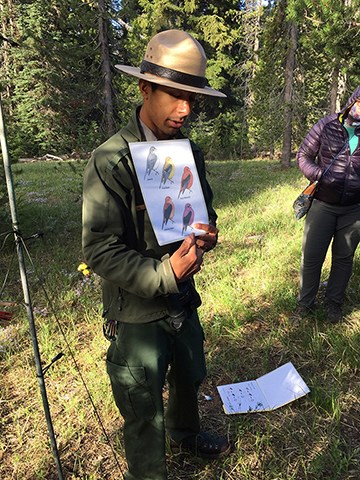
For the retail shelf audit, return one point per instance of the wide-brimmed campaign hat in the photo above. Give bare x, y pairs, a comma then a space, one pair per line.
175, 59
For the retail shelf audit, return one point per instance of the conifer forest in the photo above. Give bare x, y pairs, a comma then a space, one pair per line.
282, 63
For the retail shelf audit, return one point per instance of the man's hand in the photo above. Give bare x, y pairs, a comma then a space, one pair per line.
187, 259
207, 241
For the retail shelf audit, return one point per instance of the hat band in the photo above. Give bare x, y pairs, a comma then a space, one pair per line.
174, 75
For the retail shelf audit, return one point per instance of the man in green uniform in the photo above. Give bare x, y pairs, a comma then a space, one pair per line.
149, 296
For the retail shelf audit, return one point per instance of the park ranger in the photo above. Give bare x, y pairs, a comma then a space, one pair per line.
149, 297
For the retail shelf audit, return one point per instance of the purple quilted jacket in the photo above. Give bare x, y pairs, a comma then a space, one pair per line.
341, 184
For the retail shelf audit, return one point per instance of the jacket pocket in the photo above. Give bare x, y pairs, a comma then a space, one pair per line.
113, 300
131, 393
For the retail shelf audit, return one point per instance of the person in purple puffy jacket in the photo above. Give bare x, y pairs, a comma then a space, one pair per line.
330, 153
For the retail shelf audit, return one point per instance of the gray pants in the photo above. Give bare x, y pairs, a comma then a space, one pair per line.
324, 223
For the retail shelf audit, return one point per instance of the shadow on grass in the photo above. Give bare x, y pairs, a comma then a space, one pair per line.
314, 437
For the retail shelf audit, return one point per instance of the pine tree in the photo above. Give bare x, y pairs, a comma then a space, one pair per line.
52, 76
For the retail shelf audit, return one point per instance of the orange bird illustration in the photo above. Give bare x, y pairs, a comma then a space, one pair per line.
186, 181
168, 211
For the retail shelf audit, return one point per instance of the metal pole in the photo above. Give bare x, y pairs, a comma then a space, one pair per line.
25, 287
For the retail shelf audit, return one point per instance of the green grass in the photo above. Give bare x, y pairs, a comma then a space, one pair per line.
248, 286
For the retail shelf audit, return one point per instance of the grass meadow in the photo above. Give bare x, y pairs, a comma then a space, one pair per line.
248, 285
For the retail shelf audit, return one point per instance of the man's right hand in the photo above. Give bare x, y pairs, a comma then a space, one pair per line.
187, 259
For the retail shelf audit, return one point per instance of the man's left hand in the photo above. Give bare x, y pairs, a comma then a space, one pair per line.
208, 240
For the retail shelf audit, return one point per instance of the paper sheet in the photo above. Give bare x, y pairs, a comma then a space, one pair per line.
271, 391
171, 188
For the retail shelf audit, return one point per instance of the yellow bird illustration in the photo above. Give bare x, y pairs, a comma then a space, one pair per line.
167, 171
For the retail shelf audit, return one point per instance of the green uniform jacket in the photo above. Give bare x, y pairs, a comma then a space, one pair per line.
119, 243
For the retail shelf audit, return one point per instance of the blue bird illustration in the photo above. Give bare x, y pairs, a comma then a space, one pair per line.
168, 211
167, 171
151, 162
188, 217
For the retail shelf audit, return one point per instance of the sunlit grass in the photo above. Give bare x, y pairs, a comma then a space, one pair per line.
248, 285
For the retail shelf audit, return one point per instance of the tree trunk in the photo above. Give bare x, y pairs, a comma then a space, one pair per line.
252, 29
334, 87
109, 117
338, 86
6, 41
289, 75
341, 91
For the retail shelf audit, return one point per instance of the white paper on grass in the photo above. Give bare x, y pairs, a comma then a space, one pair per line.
160, 167
273, 390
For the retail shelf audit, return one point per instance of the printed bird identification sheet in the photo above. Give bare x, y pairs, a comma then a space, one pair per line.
271, 391
171, 188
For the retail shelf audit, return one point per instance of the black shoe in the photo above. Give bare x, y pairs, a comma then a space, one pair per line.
333, 311
204, 445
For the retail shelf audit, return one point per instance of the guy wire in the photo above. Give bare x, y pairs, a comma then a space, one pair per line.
7, 235
50, 303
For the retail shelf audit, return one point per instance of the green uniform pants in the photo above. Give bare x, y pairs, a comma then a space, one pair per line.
324, 223
137, 364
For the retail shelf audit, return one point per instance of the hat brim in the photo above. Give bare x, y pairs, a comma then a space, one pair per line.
135, 72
